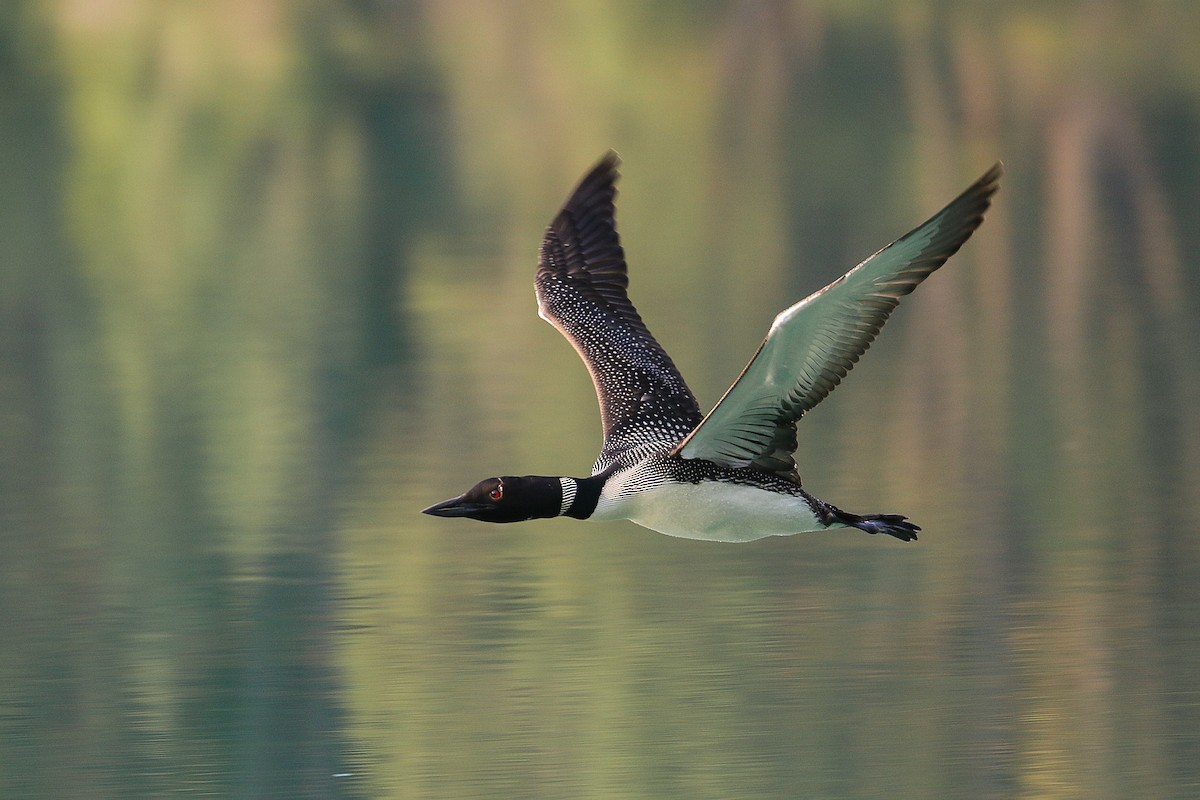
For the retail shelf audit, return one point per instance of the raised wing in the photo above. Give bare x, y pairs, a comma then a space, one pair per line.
812, 345
581, 282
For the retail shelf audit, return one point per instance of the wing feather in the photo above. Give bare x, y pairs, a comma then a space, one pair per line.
581, 288
812, 345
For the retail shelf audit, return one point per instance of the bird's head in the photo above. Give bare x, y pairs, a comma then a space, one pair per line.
504, 499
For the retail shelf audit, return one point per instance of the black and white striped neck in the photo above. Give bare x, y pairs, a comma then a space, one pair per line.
580, 495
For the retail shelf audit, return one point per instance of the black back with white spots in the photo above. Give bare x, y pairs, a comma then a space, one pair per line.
581, 288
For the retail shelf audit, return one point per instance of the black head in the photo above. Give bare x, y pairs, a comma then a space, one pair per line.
505, 499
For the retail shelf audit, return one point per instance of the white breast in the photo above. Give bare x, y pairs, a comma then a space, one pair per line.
711, 510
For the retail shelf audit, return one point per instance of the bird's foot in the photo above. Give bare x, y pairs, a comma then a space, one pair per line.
891, 524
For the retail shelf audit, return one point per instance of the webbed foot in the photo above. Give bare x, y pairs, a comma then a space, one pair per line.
891, 524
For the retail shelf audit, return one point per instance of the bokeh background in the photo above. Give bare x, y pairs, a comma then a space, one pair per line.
266, 291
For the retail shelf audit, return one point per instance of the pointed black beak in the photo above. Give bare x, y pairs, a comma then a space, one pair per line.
454, 507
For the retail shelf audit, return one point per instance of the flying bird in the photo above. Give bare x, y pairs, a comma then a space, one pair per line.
729, 476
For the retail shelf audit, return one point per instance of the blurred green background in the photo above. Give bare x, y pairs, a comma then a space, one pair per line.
266, 291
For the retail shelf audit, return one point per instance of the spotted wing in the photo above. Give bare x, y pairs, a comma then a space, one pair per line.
581, 288
812, 345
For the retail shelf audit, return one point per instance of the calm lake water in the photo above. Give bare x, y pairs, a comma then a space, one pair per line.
267, 292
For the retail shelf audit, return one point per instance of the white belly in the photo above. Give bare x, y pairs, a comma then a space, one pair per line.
721, 512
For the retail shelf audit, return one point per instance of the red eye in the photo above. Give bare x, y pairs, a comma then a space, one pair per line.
496, 493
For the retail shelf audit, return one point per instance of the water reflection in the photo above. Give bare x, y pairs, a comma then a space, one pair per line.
269, 293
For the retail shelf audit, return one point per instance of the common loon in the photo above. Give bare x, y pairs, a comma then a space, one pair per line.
729, 476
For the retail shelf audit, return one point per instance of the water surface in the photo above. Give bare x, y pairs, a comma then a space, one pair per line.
267, 292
